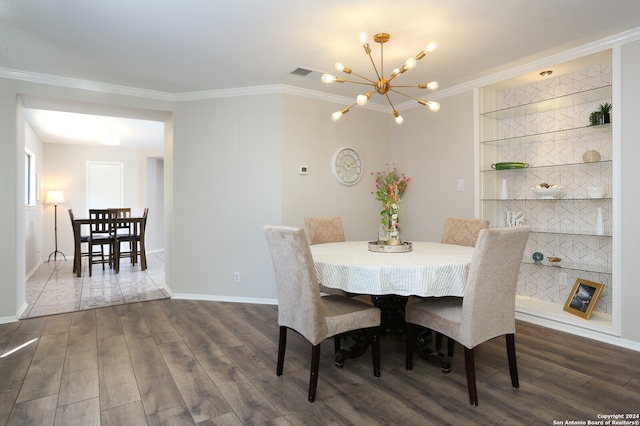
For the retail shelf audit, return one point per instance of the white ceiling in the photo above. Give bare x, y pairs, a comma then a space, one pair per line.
178, 47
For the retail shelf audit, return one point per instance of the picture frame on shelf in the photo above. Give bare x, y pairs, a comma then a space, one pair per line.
583, 298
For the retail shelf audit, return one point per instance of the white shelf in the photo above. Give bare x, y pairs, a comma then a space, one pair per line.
563, 101
552, 135
599, 321
557, 136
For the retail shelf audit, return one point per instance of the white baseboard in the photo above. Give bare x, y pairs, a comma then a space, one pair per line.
578, 331
213, 298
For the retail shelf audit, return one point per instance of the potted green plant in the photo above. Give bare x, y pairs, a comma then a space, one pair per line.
605, 110
594, 118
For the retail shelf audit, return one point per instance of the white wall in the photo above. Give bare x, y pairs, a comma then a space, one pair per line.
311, 138
65, 169
12, 140
34, 251
227, 185
630, 227
435, 150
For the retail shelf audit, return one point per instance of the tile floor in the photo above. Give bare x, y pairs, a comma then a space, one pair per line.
54, 289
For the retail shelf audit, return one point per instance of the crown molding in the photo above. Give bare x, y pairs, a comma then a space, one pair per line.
587, 49
74, 83
568, 55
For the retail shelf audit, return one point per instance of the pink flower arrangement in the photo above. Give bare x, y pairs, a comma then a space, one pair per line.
390, 185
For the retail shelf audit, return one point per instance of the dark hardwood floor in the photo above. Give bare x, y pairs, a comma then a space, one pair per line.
181, 362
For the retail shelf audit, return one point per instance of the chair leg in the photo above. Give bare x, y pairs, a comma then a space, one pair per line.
375, 352
116, 256
469, 364
450, 343
336, 344
282, 344
410, 346
315, 366
511, 355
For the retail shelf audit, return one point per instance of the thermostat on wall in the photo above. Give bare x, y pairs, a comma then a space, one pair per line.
303, 170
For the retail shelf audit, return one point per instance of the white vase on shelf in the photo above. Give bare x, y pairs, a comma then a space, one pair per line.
504, 192
599, 222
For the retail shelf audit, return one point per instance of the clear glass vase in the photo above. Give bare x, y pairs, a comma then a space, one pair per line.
383, 234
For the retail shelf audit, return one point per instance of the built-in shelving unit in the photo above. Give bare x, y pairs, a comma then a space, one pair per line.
545, 124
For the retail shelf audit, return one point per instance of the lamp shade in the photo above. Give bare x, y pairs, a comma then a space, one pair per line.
55, 197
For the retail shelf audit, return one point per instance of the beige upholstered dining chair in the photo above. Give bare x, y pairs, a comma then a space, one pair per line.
463, 231
302, 309
460, 231
325, 229
487, 309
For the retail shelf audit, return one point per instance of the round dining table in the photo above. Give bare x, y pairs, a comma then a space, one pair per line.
427, 270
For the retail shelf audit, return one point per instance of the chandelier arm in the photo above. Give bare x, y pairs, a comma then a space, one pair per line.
382, 59
374, 65
362, 77
371, 83
415, 86
403, 94
390, 103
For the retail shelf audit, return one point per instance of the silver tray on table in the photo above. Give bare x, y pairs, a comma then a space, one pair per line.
403, 247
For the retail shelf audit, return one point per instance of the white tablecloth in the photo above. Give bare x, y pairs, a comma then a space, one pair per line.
431, 269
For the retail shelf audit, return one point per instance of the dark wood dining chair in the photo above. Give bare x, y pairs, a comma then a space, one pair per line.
102, 231
84, 239
487, 309
134, 239
302, 308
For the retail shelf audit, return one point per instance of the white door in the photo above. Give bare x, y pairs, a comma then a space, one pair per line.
104, 185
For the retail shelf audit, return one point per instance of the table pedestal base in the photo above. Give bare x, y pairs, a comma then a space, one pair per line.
423, 337
391, 312
391, 323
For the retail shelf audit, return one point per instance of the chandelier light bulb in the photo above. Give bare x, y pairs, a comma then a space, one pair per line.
410, 63
336, 115
362, 99
399, 119
339, 66
363, 37
433, 85
328, 78
434, 106
430, 47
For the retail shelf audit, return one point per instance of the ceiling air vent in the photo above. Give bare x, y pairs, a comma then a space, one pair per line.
302, 72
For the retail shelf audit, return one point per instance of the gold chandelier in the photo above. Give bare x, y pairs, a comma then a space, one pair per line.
382, 85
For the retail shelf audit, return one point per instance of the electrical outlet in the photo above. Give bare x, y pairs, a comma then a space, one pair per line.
562, 278
460, 184
236, 277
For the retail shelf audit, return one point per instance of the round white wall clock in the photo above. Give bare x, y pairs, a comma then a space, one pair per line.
347, 166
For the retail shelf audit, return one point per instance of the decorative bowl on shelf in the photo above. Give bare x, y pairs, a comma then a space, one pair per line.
554, 259
545, 191
509, 165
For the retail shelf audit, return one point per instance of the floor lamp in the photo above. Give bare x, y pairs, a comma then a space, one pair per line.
55, 198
